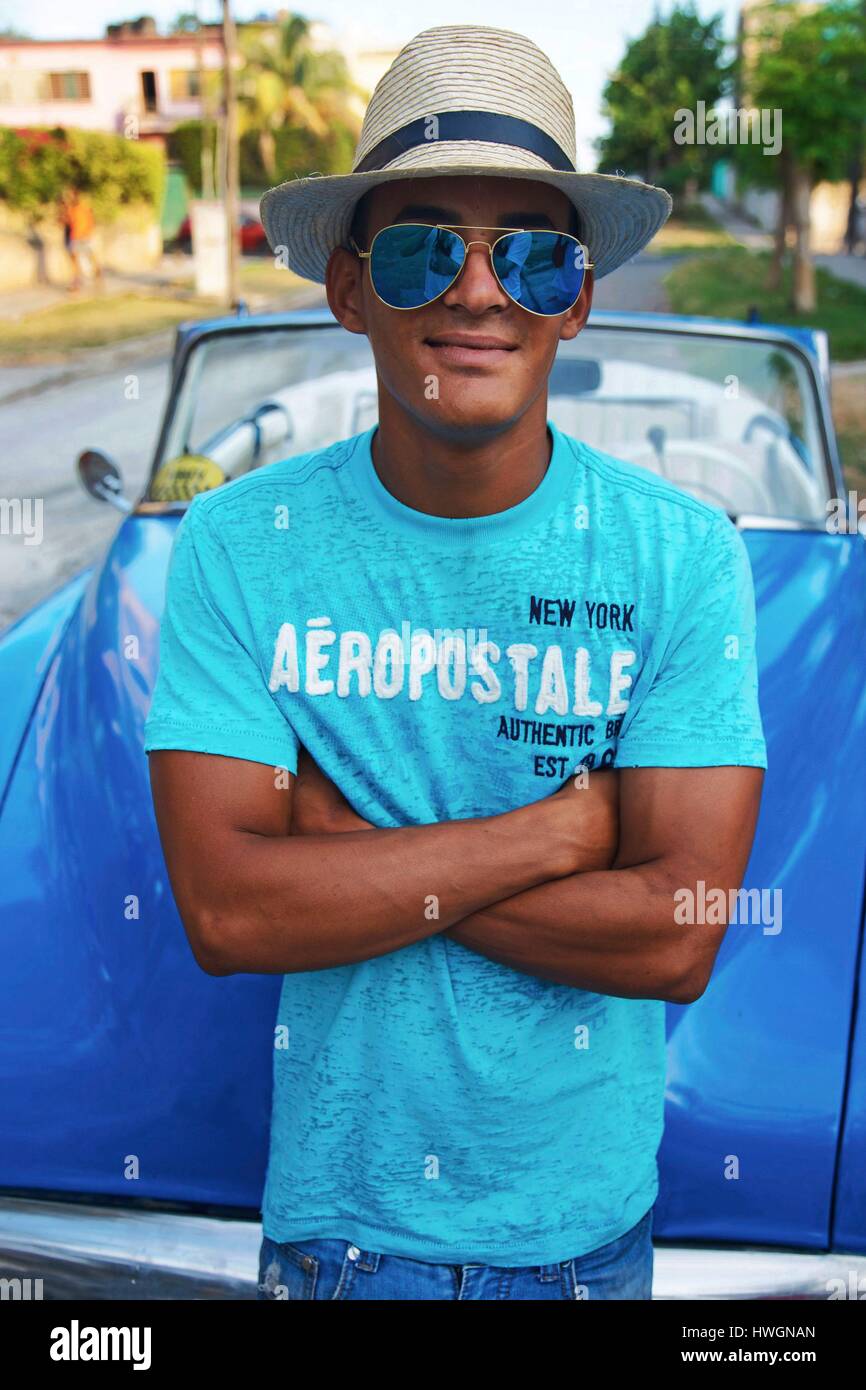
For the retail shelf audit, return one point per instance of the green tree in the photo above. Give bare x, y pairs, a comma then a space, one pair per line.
187, 22
677, 62
288, 84
809, 65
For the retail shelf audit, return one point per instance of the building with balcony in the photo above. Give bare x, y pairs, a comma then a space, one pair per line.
133, 81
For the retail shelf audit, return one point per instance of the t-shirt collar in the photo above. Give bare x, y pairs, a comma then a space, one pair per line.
457, 531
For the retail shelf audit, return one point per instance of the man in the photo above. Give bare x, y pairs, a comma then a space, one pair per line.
513, 682
78, 228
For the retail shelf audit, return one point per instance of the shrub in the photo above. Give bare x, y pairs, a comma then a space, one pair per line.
38, 163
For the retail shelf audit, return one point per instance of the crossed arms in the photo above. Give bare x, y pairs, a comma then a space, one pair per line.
274, 875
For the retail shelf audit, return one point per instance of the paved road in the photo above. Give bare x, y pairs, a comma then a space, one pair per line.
746, 233
49, 414
46, 417
637, 285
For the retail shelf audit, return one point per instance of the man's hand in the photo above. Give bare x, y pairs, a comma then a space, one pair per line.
589, 806
318, 806
593, 799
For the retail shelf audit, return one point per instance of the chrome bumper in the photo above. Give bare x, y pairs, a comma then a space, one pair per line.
82, 1251
747, 1272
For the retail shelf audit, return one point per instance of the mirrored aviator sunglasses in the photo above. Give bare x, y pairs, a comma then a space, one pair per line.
413, 263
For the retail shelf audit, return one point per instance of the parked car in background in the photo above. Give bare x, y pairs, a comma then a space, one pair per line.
133, 1134
252, 235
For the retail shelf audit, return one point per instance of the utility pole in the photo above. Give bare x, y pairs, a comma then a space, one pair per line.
207, 181
230, 146
855, 167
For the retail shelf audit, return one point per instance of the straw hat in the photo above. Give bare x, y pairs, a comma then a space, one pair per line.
465, 99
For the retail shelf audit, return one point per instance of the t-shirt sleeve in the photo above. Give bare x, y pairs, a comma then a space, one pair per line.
211, 695
701, 708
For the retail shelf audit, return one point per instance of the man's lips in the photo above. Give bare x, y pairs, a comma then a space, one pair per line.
470, 349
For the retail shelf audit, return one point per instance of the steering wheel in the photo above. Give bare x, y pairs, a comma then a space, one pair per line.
780, 430
711, 456
768, 422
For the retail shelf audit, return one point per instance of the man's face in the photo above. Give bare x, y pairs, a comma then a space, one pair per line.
471, 363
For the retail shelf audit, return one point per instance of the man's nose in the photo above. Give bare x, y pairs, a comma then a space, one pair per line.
476, 287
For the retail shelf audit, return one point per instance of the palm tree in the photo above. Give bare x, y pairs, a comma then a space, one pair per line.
286, 82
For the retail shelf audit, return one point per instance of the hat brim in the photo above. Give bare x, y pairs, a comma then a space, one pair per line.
305, 219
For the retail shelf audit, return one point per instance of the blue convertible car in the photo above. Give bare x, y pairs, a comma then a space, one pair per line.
136, 1088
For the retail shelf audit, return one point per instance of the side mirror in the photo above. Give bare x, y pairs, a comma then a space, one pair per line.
100, 476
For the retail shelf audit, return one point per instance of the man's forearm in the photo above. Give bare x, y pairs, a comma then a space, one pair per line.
278, 905
619, 931
611, 932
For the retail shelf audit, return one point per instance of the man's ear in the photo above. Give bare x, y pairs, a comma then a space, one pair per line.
344, 289
578, 314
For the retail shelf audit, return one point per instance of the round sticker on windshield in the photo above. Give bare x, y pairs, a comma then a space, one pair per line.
182, 477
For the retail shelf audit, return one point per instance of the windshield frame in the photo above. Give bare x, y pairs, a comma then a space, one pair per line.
191, 336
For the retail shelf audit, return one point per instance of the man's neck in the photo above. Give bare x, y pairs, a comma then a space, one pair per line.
460, 475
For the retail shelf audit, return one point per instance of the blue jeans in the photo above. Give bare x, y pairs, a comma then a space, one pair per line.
336, 1269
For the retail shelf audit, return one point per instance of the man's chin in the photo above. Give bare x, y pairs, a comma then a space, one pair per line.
467, 422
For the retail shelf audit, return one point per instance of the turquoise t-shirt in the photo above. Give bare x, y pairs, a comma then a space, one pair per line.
430, 1102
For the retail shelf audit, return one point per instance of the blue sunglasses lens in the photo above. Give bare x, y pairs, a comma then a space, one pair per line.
411, 265
542, 271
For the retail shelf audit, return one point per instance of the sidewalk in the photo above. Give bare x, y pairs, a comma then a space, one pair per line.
844, 267
850, 268
746, 233
172, 276
845, 369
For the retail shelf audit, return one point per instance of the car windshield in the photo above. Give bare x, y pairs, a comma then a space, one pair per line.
730, 420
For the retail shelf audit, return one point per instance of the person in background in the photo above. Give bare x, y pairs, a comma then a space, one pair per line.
78, 227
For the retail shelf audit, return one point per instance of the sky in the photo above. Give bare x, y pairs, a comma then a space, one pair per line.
584, 38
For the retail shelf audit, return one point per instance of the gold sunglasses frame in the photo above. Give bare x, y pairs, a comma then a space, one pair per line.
491, 246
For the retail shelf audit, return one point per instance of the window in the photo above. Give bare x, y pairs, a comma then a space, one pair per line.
23, 88
68, 86
183, 84
148, 90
